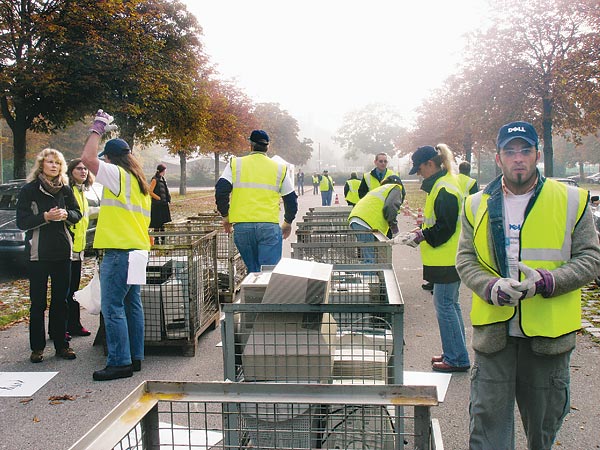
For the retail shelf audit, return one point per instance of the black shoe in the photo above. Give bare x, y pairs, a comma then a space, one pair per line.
427, 286
137, 365
80, 332
113, 372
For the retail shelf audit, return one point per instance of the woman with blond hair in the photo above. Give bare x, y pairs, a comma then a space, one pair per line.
45, 209
439, 243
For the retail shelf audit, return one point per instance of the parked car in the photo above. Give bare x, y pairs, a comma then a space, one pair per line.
568, 181
594, 179
12, 240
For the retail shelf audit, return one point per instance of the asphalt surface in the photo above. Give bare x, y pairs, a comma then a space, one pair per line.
34, 423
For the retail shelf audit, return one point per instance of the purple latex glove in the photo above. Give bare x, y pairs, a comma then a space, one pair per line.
102, 123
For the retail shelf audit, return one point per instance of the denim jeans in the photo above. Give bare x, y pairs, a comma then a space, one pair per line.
450, 322
540, 385
59, 273
326, 198
367, 253
122, 310
259, 243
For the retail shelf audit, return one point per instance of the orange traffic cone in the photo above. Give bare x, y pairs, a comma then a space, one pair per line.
406, 209
337, 200
419, 217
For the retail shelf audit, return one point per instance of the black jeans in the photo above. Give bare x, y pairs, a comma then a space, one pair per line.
60, 276
74, 312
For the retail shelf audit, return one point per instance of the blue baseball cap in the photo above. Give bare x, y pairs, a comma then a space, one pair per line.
420, 156
115, 147
514, 130
260, 137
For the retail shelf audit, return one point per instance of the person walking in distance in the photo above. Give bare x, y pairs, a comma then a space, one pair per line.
80, 180
527, 247
315, 183
161, 197
300, 182
351, 189
122, 234
46, 207
467, 184
438, 238
371, 180
247, 196
326, 188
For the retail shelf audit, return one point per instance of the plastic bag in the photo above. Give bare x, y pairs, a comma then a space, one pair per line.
89, 296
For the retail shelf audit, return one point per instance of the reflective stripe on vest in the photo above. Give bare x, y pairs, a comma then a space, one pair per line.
326, 181
352, 196
466, 183
79, 229
256, 181
443, 255
370, 208
545, 243
124, 219
372, 182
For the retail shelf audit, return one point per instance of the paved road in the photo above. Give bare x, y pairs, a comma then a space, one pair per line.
38, 425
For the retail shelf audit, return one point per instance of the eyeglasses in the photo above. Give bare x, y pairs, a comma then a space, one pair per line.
382, 161
81, 168
509, 153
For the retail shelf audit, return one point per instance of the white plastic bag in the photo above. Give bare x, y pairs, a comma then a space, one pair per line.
89, 296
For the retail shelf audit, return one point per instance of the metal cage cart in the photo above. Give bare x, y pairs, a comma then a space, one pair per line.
341, 247
355, 338
230, 266
203, 416
180, 297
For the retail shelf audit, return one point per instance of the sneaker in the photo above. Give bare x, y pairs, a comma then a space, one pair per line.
37, 356
66, 353
427, 286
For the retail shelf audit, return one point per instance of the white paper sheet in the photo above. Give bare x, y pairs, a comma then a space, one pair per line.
439, 380
23, 384
138, 260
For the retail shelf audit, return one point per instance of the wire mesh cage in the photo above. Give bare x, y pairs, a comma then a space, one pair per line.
231, 269
180, 297
184, 415
354, 338
343, 248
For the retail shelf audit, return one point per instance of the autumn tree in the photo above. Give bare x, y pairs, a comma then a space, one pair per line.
370, 130
547, 59
283, 131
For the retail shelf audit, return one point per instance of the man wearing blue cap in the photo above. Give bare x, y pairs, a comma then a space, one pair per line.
122, 232
525, 251
247, 196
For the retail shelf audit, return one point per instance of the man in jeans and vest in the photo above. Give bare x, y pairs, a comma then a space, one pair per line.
527, 247
254, 183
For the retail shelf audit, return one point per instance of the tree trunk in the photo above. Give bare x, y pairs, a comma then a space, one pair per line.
547, 136
468, 146
20, 150
183, 173
216, 167
581, 177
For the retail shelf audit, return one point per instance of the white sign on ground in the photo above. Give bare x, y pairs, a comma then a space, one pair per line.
23, 384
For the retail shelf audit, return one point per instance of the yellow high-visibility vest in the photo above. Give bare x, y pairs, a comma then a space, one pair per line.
373, 182
123, 220
370, 208
79, 229
445, 254
545, 244
352, 195
257, 181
